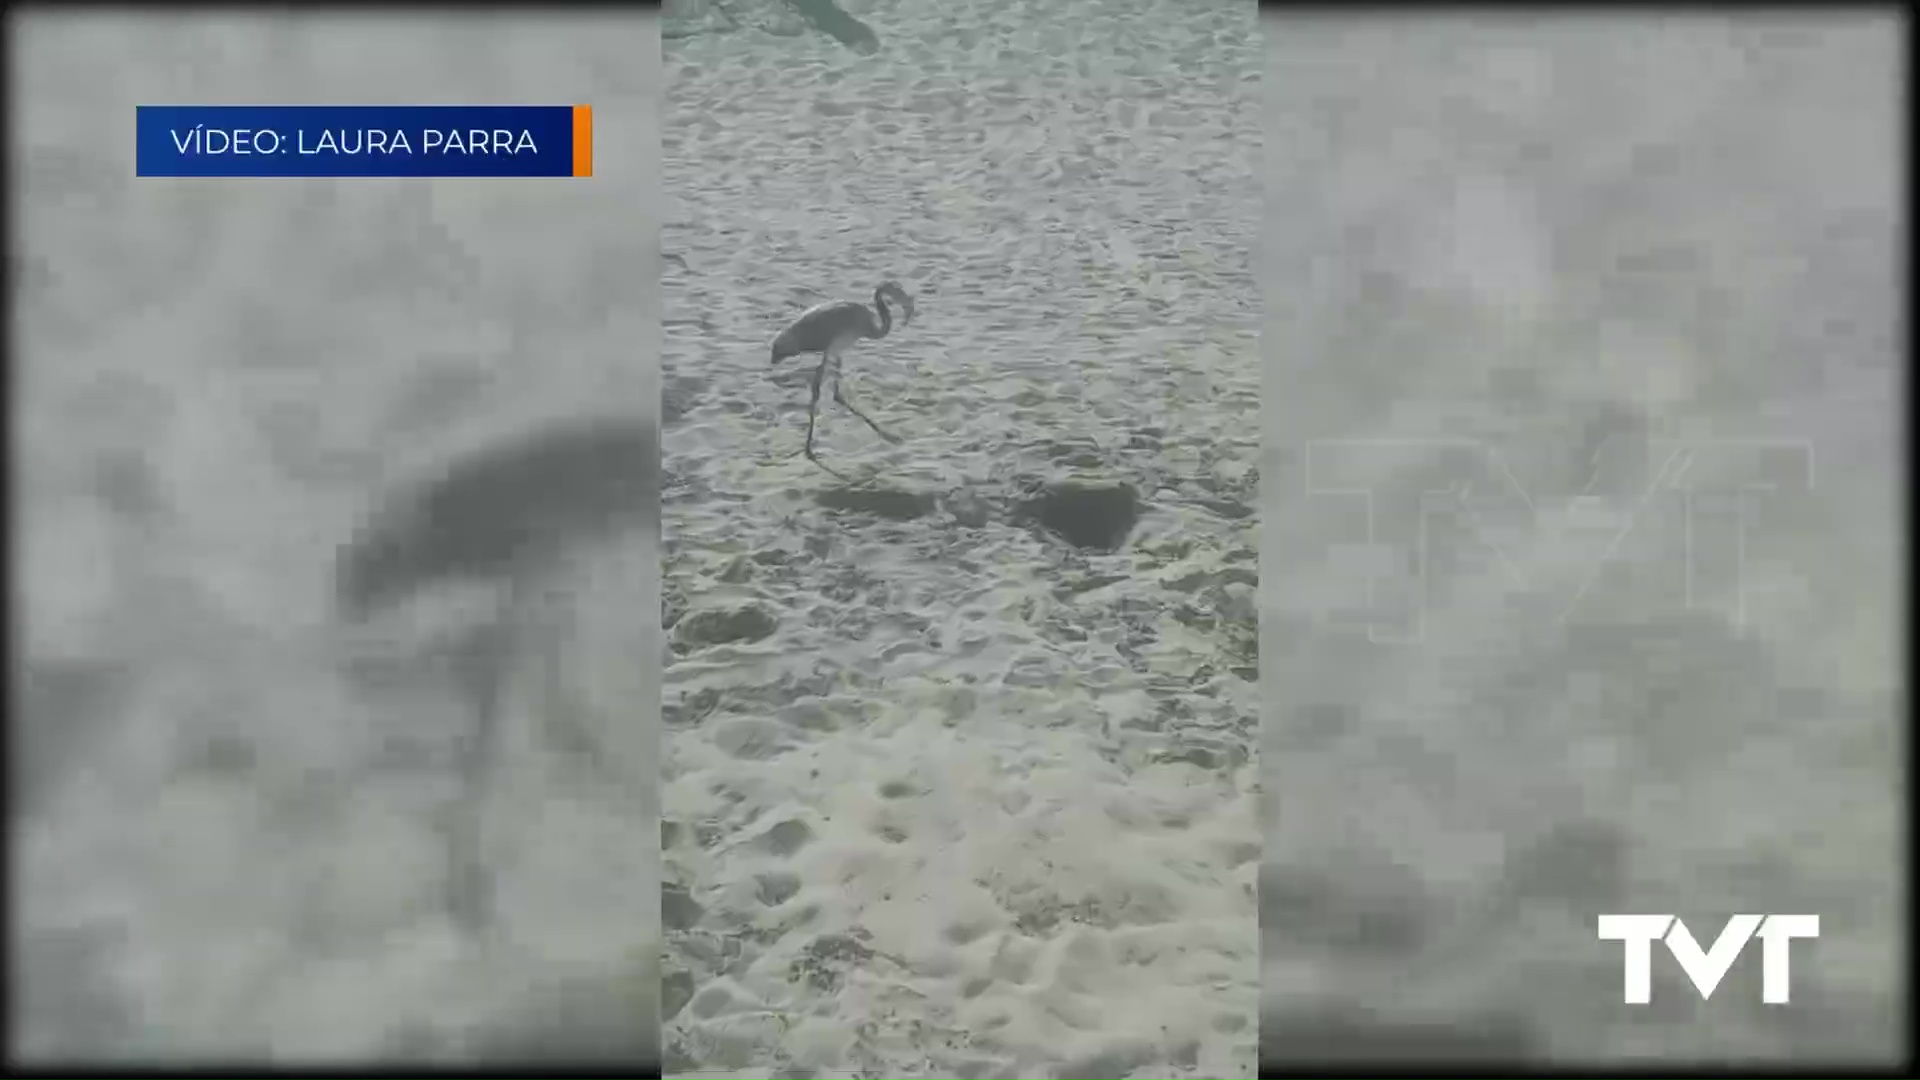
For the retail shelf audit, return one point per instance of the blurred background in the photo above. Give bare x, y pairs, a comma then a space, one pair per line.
1581, 526
229, 830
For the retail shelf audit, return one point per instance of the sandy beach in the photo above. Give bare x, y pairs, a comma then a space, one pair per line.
944, 794
922, 786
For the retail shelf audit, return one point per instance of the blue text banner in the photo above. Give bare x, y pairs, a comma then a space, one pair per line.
363, 140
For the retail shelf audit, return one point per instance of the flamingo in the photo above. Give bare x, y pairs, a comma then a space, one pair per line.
828, 329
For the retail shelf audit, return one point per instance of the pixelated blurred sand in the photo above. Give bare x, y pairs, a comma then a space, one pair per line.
235, 854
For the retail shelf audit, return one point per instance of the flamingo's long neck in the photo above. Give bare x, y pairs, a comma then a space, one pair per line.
886, 316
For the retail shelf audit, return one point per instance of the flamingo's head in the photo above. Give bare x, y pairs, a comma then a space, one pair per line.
901, 297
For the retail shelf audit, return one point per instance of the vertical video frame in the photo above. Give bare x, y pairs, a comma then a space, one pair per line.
958, 538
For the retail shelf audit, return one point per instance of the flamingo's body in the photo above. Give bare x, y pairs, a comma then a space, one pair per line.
828, 329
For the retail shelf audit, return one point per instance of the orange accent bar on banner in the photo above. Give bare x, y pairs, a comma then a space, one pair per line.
583, 140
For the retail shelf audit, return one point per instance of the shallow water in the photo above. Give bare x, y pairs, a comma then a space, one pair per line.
958, 799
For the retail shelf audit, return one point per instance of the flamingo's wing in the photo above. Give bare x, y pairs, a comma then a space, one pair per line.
821, 325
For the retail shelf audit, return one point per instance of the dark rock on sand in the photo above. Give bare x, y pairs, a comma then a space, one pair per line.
1085, 513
